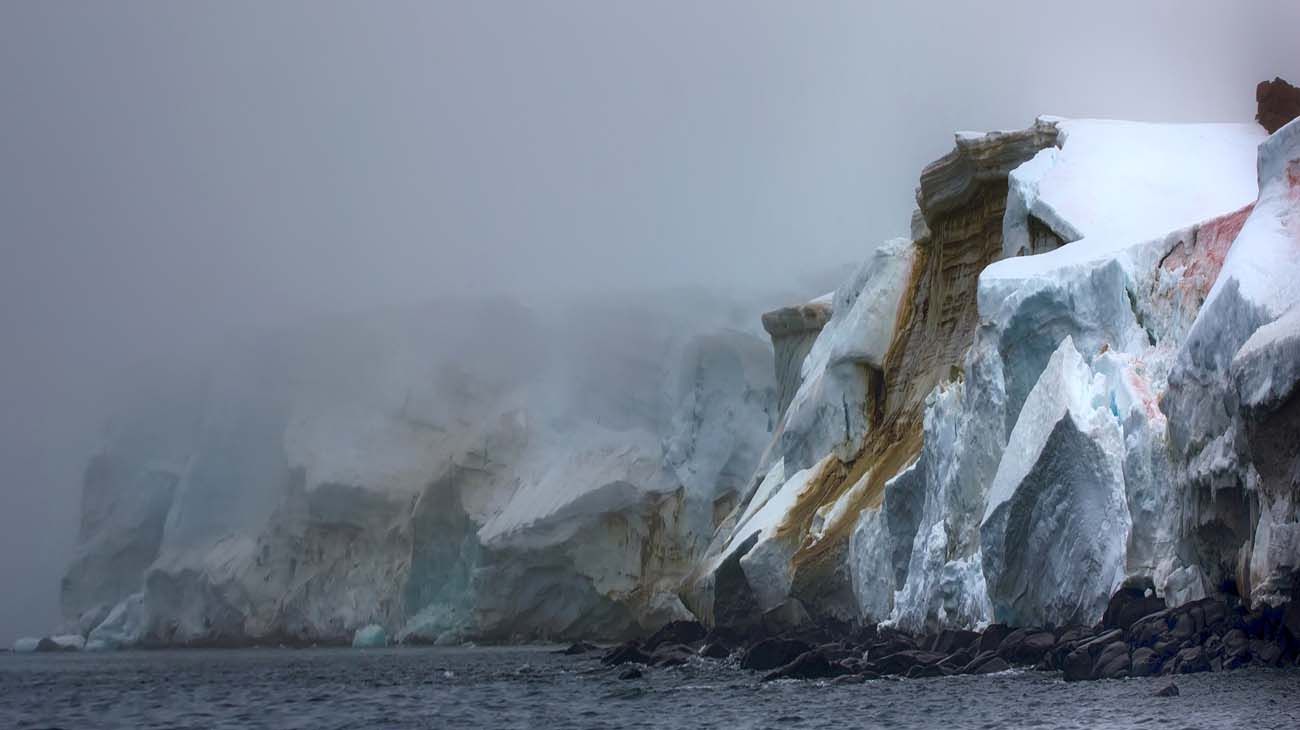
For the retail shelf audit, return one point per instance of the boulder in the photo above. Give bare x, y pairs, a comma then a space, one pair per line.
1113, 662
809, 665
1168, 690
715, 650
627, 653
671, 655
576, 648
1190, 660
922, 671
772, 653
1135, 599
1278, 103
1265, 652
992, 637
630, 673
676, 632
903, 661
987, 663
1083, 661
1145, 662
951, 640
1150, 629
1025, 646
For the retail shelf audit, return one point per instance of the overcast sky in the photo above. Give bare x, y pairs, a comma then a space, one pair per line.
170, 172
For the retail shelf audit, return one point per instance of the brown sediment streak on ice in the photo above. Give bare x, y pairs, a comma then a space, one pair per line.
963, 198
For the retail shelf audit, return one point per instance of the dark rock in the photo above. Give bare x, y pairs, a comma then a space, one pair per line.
889, 642
1190, 660
835, 651
1277, 103
1113, 662
47, 644
676, 632
951, 640
1082, 661
958, 659
979, 660
992, 637
1077, 665
1167, 648
1145, 662
629, 653
672, 655
1256, 624
1074, 635
1235, 641
772, 653
1265, 652
1291, 619
1148, 630
1184, 627
715, 650
731, 636
1107, 637
903, 661
1213, 646
809, 665
922, 671
1134, 599
1025, 647
1169, 690
994, 663
1215, 615
581, 647
851, 666
630, 673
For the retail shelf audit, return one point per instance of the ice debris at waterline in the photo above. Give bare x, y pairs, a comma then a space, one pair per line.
1077, 374
370, 637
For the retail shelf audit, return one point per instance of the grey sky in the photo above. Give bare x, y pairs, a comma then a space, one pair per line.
173, 171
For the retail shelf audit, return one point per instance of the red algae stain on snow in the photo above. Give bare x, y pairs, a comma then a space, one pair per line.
1141, 387
1202, 260
1291, 218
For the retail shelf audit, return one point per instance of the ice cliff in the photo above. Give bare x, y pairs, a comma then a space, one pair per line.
1080, 369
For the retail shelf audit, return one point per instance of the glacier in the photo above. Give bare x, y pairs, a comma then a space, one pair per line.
1078, 373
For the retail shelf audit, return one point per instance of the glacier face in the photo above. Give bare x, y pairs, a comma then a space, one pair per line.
1080, 369
1117, 403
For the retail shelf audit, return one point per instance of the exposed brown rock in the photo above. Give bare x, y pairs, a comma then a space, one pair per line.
1278, 102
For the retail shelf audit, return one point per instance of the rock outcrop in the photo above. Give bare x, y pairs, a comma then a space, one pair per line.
1279, 103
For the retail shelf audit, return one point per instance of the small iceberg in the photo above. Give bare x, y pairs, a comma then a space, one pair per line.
370, 637
26, 645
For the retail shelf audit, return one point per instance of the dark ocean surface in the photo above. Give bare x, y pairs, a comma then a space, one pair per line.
534, 688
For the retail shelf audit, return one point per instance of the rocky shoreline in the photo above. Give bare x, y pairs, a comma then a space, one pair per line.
1138, 637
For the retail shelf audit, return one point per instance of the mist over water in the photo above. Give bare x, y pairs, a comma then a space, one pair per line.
174, 177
